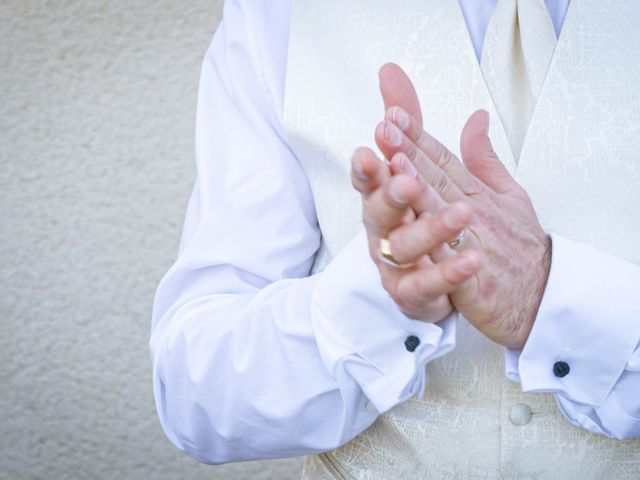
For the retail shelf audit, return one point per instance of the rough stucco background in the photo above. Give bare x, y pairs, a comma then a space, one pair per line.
96, 166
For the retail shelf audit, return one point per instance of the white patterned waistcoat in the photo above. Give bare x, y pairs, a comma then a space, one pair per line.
580, 164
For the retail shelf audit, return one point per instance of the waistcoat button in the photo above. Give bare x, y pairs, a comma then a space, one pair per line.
520, 414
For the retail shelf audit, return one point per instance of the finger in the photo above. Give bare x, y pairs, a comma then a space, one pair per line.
427, 204
397, 89
430, 200
432, 311
412, 240
479, 157
368, 172
400, 163
419, 286
436, 151
387, 207
391, 140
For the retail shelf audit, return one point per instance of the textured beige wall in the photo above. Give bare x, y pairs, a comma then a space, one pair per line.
97, 104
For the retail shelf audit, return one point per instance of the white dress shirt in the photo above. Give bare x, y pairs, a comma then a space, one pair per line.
255, 358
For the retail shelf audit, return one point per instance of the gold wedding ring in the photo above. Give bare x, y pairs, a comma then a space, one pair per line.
386, 257
458, 240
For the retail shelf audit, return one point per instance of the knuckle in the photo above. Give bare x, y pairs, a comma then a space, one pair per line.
397, 240
442, 154
449, 274
414, 132
424, 215
442, 302
391, 197
410, 149
413, 315
425, 233
402, 300
440, 182
373, 253
376, 213
396, 293
385, 279
471, 188
423, 286
439, 230
422, 138
368, 222
374, 219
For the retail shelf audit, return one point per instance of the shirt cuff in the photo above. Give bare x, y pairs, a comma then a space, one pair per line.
361, 332
588, 320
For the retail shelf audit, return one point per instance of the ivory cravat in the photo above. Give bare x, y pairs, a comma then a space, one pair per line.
516, 54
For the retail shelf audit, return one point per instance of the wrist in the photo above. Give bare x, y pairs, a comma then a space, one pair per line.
539, 286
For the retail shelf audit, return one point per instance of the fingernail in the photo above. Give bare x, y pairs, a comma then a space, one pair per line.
357, 168
392, 134
466, 264
401, 118
398, 196
451, 218
408, 167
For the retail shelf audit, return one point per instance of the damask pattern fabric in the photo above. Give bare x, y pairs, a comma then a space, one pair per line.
462, 428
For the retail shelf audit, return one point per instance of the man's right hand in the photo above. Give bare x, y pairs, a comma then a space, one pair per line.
392, 195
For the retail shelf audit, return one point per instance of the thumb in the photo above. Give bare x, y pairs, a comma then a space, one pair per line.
397, 90
479, 157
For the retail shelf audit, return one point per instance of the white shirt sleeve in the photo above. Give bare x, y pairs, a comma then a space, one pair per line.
253, 357
589, 319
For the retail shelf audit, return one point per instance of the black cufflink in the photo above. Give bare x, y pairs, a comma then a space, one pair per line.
411, 343
561, 369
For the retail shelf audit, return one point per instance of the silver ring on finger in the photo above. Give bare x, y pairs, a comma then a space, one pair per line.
458, 240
